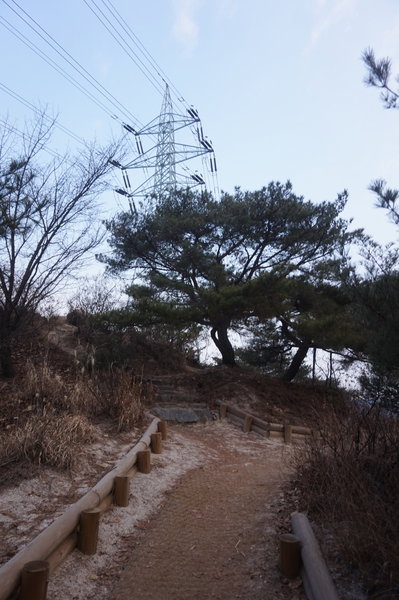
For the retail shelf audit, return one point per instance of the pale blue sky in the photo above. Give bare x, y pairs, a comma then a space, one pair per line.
278, 85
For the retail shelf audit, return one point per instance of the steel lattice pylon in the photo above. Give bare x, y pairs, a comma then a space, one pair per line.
162, 162
165, 170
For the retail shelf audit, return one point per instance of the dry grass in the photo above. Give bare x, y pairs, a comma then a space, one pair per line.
348, 480
51, 439
118, 393
47, 418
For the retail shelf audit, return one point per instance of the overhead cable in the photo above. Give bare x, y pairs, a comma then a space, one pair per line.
137, 42
67, 57
37, 110
22, 135
130, 52
53, 64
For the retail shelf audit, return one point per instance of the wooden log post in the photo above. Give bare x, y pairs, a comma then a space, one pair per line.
223, 411
156, 443
121, 490
316, 578
163, 429
248, 420
144, 461
34, 580
88, 531
287, 433
290, 555
50, 538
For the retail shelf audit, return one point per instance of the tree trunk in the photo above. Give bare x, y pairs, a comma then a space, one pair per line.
223, 344
296, 362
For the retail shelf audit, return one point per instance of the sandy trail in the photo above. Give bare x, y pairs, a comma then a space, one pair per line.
200, 526
215, 537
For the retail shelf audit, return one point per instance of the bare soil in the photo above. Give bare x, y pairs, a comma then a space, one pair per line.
216, 536
203, 525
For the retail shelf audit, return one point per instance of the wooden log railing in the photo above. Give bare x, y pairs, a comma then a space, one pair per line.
249, 422
55, 542
316, 577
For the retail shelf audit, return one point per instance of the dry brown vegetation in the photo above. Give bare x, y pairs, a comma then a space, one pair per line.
348, 480
46, 417
347, 477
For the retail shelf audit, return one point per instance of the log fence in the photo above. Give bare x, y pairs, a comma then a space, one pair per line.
77, 526
300, 554
26, 575
248, 422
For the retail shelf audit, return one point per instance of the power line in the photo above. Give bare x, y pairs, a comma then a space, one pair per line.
139, 44
148, 68
76, 65
22, 135
35, 109
34, 48
118, 36
152, 72
137, 61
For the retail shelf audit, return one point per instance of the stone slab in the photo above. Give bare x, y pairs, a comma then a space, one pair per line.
176, 414
203, 414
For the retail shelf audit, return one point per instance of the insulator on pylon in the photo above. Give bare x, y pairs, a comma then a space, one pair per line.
139, 146
211, 163
125, 179
121, 191
198, 179
214, 164
193, 113
115, 163
129, 128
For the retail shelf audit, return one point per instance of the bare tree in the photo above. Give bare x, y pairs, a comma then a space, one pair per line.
49, 221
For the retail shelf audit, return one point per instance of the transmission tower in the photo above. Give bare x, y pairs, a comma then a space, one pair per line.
165, 170
162, 164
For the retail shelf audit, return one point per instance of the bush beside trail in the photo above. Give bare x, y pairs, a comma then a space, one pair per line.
46, 418
348, 481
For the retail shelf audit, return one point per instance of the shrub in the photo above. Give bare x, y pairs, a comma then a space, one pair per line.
118, 393
348, 478
47, 417
54, 440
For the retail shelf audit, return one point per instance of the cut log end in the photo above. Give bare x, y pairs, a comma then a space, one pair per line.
156, 443
34, 580
88, 531
144, 461
290, 555
248, 420
163, 429
121, 490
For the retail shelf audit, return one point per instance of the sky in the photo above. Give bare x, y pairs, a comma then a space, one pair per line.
278, 86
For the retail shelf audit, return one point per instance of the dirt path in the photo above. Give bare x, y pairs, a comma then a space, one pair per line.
215, 536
